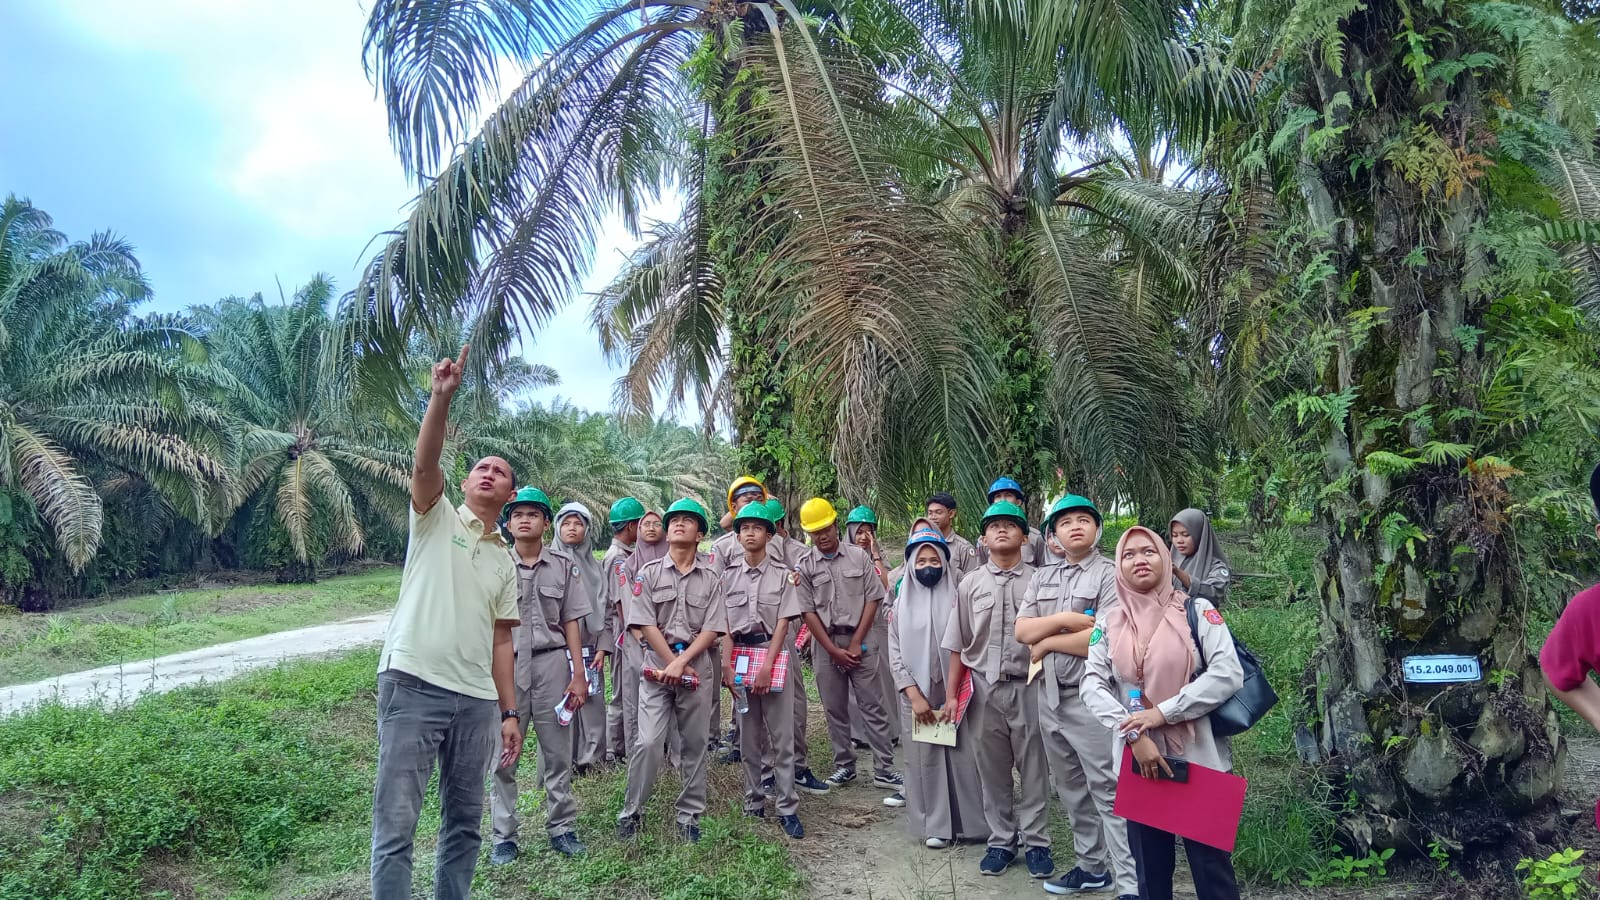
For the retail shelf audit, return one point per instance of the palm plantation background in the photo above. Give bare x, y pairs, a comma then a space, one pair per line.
1291, 261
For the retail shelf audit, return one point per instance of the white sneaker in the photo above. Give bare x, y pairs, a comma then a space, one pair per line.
895, 799
936, 843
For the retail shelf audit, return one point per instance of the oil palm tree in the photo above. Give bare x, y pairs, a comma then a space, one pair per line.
87, 390
313, 471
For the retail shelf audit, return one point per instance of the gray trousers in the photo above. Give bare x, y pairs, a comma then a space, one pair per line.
419, 723
1078, 748
878, 639
551, 672
834, 686
1005, 717
618, 735
589, 729
663, 710
768, 728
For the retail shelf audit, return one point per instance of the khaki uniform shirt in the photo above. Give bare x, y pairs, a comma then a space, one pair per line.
1070, 587
983, 623
681, 604
726, 551
458, 582
838, 589
615, 564
963, 556
758, 597
550, 593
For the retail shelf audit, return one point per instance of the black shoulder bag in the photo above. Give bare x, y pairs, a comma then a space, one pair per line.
1253, 699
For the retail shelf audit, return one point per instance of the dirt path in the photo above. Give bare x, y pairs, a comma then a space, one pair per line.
124, 683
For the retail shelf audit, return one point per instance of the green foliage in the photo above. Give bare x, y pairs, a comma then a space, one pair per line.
1560, 875
1347, 869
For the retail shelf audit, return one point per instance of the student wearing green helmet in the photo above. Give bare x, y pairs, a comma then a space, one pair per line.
761, 608
1004, 715
627, 660
677, 603
1057, 620
553, 599
861, 529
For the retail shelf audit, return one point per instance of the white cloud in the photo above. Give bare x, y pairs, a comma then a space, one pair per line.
293, 151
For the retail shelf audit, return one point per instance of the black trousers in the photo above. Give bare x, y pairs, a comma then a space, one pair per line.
1155, 854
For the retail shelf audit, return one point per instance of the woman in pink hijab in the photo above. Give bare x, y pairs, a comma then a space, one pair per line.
1143, 644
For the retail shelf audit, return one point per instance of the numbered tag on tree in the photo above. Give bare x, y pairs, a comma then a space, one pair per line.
1441, 669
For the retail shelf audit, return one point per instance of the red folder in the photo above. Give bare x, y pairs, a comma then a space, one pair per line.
1205, 809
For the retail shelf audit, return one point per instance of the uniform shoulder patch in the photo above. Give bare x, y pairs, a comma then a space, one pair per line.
1213, 617
638, 586
1096, 635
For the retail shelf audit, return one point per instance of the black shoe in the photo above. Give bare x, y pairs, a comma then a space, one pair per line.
804, 780
689, 834
859, 745
997, 860
582, 771
792, 827
841, 777
1127, 897
567, 845
769, 785
893, 781
628, 829
731, 739
1040, 863
756, 813
505, 853
895, 800
731, 756
1078, 881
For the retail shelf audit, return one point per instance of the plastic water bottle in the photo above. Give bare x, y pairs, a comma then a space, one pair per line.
564, 711
741, 697
1135, 704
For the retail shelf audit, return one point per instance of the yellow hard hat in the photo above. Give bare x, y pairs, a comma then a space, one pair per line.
745, 481
817, 514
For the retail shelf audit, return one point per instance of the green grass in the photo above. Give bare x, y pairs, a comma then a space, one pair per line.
1287, 827
37, 646
262, 787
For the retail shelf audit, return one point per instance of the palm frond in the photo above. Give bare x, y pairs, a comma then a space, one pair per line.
64, 497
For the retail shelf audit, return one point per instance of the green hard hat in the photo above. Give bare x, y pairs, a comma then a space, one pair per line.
528, 494
689, 506
862, 515
1067, 504
626, 510
775, 509
756, 512
1005, 509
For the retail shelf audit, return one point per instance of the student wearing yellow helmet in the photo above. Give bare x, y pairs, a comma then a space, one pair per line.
840, 594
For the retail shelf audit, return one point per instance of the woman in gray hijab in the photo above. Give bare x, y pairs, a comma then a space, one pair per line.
1200, 568
575, 538
943, 802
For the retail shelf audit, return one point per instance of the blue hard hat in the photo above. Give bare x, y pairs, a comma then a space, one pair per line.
1006, 483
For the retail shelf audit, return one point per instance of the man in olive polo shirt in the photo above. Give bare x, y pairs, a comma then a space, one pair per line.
446, 666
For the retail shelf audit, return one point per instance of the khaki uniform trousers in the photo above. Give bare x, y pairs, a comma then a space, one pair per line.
1005, 718
551, 673
834, 686
1079, 750
878, 639
768, 730
618, 734
663, 711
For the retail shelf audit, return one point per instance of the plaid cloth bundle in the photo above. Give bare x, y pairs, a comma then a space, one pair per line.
803, 636
963, 697
758, 658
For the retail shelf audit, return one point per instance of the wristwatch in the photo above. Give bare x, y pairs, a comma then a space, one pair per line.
510, 714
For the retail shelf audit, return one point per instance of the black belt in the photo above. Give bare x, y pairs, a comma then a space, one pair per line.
543, 650
1004, 677
752, 640
677, 646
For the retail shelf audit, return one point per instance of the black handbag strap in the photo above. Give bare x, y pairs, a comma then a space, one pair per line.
1193, 615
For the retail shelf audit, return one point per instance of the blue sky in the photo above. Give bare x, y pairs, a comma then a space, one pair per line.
236, 144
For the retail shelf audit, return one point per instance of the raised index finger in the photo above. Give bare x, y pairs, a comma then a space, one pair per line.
462, 359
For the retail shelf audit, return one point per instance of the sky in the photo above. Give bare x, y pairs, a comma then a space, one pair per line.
237, 144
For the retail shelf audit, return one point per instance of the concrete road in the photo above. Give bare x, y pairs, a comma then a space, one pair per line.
113, 685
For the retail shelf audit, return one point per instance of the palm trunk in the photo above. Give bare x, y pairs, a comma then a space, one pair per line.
1418, 559
1025, 448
